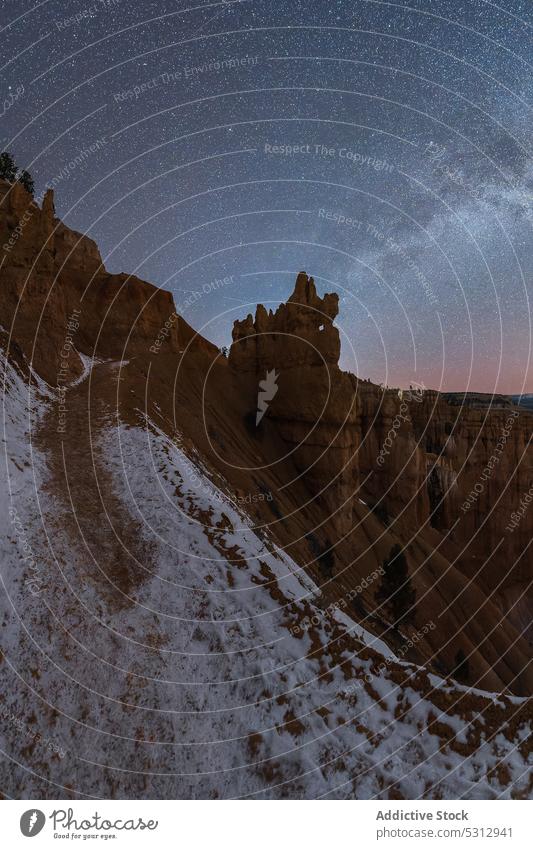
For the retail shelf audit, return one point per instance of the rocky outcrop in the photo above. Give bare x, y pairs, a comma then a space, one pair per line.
463, 470
300, 333
337, 470
424, 458
315, 406
50, 273
438, 475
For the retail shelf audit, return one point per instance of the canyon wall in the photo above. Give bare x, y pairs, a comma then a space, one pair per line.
424, 461
51, 273
346, 469
438, 474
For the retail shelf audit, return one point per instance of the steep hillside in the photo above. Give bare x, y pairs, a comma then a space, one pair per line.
191, 600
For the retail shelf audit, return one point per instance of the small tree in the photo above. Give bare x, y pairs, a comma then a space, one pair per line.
27, 181
8, 169
395, 592
10, 172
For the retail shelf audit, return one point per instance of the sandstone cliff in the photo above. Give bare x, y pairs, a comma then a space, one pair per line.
315, 409
443, 480
337, 472
50, 272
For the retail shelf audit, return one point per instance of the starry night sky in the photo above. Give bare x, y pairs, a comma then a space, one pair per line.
234, 140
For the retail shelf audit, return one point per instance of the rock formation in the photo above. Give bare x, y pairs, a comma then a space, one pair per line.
437, 475
337, 471
50, 270
315, 409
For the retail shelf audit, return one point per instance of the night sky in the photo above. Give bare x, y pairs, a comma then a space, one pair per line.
382, 147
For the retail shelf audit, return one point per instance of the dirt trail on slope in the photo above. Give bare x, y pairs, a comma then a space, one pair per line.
95, 520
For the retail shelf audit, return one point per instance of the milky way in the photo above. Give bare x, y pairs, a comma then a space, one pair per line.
217, 149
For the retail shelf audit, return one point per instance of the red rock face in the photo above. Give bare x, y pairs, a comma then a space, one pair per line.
439, 475
427, 462
299, 333
49, 271
462, 470
315, 408
350, 469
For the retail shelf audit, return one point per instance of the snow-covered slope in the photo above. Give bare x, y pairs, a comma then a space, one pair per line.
206, 666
